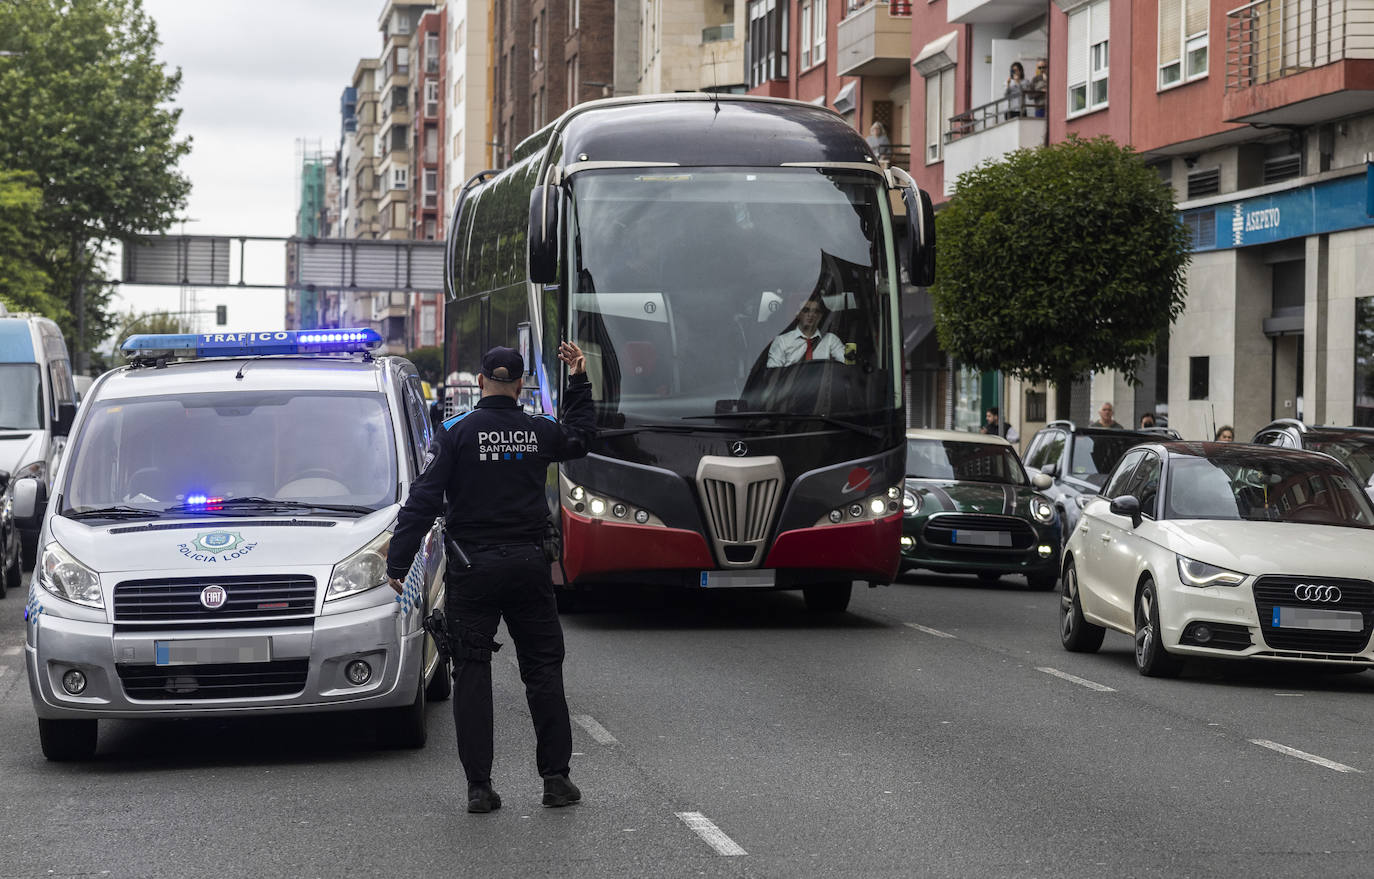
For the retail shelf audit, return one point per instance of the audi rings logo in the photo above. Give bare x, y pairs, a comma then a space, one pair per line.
213, 597
1316, 592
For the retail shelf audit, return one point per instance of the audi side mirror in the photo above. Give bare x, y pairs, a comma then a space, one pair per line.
1127, 505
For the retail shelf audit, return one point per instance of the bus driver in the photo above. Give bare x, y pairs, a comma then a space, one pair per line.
806, 341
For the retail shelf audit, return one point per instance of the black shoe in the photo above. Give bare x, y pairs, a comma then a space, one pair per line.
559, 791
481, 798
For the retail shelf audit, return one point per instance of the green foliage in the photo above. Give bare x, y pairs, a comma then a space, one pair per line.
1059, 260
429, 362
24, 286
131, 324
84, 107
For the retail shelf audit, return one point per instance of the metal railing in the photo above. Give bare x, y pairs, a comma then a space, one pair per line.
1270, 39
719, 33
1030, 104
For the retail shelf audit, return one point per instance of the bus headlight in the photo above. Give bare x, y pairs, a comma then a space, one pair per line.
591, 503
67, 578
365, 569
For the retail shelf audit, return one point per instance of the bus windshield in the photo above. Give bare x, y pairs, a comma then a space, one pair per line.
717, 292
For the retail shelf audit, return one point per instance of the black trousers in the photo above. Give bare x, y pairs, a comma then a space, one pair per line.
512, 582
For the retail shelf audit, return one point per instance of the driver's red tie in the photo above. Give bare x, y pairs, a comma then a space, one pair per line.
811, 347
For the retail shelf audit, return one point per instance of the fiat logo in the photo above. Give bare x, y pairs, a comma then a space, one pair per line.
213, 597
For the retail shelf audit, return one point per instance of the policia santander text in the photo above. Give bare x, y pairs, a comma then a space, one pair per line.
491, 465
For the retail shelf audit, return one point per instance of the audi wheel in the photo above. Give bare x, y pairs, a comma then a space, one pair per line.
1075, 633
1151, 659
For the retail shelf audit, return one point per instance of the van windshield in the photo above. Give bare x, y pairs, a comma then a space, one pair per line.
21, 397
161, 453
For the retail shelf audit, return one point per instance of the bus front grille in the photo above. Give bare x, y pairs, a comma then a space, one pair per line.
740, 497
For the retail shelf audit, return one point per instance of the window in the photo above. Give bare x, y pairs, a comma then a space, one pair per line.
536, 56
458, 36
1364, 362
939, 107
818, 34
402, 59
431, 53
805, 34
1198, 380
1120, 480
432, 97
811, 34
400, 177
1144, 484
458, 91
1088, 57
1182, 41
766, 47
402, 22
574, 15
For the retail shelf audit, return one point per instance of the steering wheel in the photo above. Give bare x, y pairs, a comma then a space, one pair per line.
316, 473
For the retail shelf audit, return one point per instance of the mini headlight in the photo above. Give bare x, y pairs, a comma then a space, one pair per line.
67, 578
1200, 574
365, 569
1041, 510
910, 502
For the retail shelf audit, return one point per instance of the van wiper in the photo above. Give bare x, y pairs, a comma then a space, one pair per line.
252, 502
116, 512
796, 416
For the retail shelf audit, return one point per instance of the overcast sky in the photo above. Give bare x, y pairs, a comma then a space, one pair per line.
257, 75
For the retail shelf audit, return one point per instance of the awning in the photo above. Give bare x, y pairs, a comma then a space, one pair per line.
844, 101
939, 54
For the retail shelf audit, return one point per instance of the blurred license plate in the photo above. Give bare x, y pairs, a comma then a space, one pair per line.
204, 651
983, 538
738, 579
1326, 620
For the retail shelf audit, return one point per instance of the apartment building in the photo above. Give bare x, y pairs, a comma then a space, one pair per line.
424, 324
468, 110
689, 46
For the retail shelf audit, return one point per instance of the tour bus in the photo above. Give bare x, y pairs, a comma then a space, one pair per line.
215, 540
679, 239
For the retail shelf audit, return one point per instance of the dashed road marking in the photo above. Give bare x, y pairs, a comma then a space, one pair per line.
3, 669
594, 729
929, 631
1303, 755
1075, 679
711, 834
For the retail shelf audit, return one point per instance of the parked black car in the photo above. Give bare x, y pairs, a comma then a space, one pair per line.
10, 570
1352, 446
1078, 459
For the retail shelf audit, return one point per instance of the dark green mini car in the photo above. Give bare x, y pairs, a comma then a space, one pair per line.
969, 508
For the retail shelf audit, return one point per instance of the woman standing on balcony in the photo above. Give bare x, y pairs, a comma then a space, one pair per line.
1016, 85
879, 142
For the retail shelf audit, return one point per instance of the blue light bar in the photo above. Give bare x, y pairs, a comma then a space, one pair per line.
348, 341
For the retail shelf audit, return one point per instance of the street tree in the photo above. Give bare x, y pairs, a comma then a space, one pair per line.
1059, 260
85, 106
24, 286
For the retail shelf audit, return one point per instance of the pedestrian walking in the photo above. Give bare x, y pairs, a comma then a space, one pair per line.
1105, 417
490, 464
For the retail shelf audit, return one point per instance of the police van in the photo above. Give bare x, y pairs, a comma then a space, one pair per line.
215, 540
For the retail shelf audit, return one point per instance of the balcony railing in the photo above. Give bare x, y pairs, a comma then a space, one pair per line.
1029, 104
719, 33
1270, 39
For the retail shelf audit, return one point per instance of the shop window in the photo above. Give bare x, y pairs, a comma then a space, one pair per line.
1364, 362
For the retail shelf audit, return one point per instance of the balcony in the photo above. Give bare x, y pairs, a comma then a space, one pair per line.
874, 42
718, 34
1298, 62
991, 131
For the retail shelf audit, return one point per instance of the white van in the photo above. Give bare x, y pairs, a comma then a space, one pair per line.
215, 540
37, 404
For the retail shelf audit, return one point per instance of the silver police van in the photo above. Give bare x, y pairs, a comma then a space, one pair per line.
215, 539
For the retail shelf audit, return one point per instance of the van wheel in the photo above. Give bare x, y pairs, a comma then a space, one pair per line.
405, 727
67, 740
828, 597
441, 685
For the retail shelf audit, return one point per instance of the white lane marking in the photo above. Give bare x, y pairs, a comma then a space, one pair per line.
594, 729
3, 669
1303, 755
1075, 679
711, 834
929, 631
10, 651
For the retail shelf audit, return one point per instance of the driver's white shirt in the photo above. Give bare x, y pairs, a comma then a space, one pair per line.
789, 348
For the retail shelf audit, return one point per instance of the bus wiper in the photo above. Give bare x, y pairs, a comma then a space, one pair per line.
672, 428
116, 512
796, 416
252, 502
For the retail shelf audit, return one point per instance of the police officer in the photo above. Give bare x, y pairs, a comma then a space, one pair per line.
491, 465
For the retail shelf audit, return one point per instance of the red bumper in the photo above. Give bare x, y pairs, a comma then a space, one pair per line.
872, 548
594, 546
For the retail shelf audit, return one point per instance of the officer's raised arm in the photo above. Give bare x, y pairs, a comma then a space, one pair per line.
574, 431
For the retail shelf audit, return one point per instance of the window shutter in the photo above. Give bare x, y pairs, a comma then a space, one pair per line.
1197, 17
1100, 22
1078, 48
933, 118
1170, 41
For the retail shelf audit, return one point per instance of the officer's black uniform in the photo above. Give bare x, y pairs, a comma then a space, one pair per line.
491, 464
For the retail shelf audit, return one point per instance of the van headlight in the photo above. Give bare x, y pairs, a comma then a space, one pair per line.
33, 470
365, 569
67, 578
1041, 510
1200, 574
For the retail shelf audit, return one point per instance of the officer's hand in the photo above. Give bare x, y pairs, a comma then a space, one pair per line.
569, 353
396, 585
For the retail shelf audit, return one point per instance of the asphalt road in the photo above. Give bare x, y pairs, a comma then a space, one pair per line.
935, 730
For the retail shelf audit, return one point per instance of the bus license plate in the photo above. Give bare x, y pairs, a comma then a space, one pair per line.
982, 538
738, 579
1325, 620
206, 651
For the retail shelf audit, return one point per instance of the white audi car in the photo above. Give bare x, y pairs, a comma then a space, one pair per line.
1223, 550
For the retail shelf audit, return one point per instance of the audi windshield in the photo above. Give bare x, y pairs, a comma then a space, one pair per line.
1259, 486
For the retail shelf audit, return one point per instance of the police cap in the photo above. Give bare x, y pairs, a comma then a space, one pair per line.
503, 364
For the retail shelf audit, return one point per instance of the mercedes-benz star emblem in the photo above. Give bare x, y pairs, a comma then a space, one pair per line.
1316, 592
213, 597
739, 449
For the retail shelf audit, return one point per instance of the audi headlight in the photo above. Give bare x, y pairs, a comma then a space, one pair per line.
1041, 510
365, 569
1200, 574
910, 503
67, 578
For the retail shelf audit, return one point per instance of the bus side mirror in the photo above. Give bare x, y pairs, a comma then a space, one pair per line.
920, 235
543, 234
29, 500
66, 414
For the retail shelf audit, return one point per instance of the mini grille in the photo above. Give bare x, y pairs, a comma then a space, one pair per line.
1271, 592
237, 680
939, 531
163, 602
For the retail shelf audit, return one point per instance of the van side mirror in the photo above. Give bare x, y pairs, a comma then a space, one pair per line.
920, 235
545, 201
30, 501
1127, 505
1042, 480
66, 414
